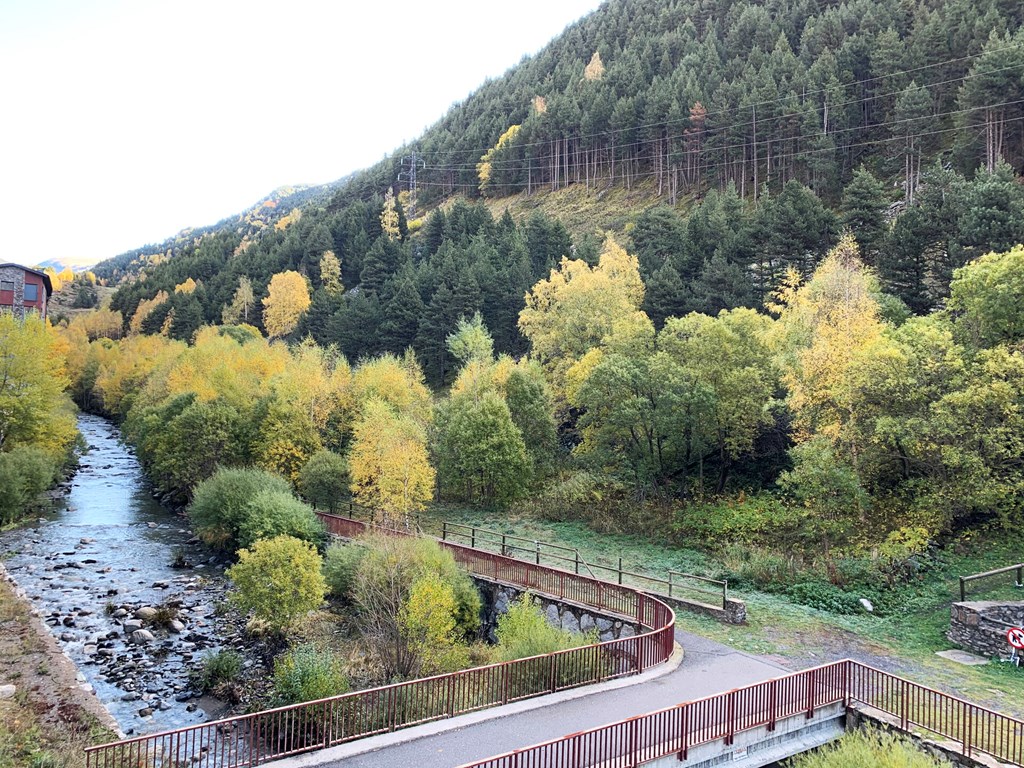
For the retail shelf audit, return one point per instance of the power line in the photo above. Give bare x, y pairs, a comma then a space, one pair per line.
804, 95
721, 128
712, 166
413, 162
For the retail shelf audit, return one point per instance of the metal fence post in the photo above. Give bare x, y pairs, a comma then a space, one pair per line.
670, 583
444, 530
730, 735
810, 694
472, 537
963, 594
536, 546
620, 570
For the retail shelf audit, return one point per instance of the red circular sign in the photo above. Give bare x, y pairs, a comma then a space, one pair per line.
1015, 637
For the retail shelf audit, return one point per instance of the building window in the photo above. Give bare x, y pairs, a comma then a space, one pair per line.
31, 292
6, 285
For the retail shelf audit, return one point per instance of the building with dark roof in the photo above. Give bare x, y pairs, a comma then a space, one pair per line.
24, 290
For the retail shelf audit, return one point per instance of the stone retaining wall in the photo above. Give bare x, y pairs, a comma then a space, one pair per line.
564, 614
980, 626
734, 612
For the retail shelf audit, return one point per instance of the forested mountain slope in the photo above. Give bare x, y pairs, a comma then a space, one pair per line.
752, 132
267, 212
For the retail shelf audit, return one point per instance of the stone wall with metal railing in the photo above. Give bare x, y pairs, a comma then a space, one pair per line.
980, 626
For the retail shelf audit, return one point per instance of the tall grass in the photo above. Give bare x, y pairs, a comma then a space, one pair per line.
867, 748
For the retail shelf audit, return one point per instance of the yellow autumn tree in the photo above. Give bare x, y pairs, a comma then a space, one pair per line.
484, 168
595, 69
388, 462
823, 327
395, 381
578, 307
330, 273
389, 216
189, 286
143, 310
238, 310
287, 299
286, 221
32, 382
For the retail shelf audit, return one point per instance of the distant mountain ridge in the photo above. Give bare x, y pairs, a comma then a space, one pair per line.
249, 224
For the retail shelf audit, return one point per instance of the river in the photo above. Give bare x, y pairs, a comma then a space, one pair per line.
103, 553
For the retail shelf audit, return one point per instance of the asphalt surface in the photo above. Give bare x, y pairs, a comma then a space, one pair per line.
708, 667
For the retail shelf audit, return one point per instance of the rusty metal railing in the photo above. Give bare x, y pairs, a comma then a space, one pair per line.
521, 547
248, 740
676, 730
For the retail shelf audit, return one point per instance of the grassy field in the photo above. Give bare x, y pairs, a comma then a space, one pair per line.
903, 638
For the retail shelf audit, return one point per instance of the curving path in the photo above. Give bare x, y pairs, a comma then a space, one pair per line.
707, 667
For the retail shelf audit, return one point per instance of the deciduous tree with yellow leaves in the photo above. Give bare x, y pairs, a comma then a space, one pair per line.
287, 299
388, 463
579, 306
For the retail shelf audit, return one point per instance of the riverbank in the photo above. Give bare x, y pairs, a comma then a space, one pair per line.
48, 717
126, 591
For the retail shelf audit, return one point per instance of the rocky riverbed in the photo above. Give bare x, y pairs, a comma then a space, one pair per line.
133, 598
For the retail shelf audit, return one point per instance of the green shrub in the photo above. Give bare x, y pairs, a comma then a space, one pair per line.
341, 566
867, 748
525, 631
218, 670
754, 520
388, 575
25, 472
323, 480
756, 566
271, 513
278, 581
825, 597
307, 674
220, 503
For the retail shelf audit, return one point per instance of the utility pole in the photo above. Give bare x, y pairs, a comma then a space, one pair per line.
412, 161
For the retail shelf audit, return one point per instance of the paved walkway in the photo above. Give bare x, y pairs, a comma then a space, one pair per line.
707, 667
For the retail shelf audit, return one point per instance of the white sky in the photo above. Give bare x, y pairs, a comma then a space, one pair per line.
124, 122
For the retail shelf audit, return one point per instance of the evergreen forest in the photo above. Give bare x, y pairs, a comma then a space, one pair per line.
799, 298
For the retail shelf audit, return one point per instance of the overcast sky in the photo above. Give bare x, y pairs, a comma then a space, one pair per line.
125, 122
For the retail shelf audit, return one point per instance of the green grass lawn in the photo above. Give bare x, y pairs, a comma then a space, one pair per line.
902, 637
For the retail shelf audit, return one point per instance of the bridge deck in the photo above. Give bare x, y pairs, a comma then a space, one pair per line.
708, 667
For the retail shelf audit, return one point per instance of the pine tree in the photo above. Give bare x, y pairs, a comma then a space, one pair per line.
864, 206
402, 314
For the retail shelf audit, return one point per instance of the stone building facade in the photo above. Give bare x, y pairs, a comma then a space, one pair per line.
24, 290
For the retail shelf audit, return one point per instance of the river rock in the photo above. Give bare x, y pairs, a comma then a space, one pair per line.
176, 627
146, 613
145, 712
131, 626
8, 691
141, 636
